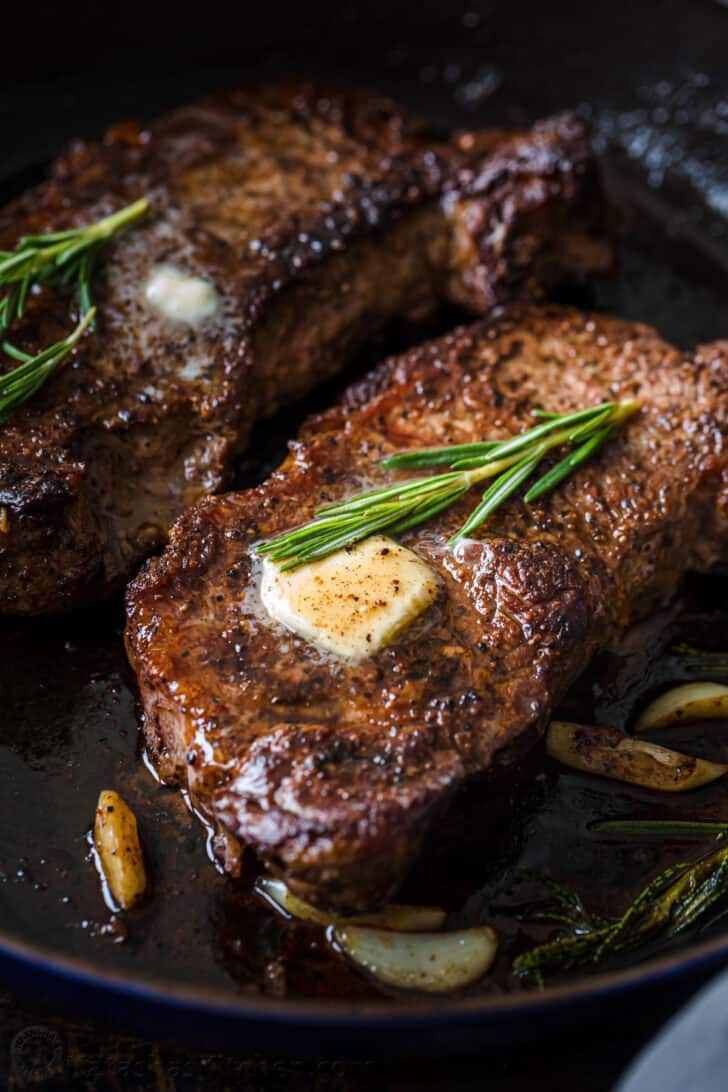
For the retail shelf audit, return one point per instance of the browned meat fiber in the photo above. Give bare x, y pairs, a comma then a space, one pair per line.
317, 216
332, 771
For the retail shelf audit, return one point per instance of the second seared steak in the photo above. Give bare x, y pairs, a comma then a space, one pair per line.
315, 216
332, 771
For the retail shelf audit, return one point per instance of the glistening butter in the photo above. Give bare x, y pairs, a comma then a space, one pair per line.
354, 602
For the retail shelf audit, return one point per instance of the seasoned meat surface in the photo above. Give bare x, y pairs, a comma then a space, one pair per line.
316, 216
333, 771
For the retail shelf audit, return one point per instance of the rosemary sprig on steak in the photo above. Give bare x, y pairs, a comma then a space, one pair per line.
20, 384
56, 259
666, 906
510, 463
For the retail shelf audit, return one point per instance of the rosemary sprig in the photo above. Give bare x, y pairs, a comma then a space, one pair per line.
687, 827
690, 660
20, 384
399, 507
666, 906
564, 907
58, 259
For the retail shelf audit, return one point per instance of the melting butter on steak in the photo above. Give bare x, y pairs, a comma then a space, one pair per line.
354, 601
333, 771
289, 224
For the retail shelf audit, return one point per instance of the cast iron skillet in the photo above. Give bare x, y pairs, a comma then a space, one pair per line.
200, 961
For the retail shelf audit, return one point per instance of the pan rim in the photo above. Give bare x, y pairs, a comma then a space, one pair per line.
387, 1013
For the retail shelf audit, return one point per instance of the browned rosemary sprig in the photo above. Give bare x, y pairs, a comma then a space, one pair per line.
57, 259
665, 907
399, 507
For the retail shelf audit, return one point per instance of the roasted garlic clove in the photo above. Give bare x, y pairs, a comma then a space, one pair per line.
116, 840
683, 704
432, 962
610, 753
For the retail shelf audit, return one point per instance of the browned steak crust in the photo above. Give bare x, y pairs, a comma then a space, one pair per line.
318, 215
332, 771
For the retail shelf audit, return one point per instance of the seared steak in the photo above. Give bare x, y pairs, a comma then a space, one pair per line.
332, 771
316, 216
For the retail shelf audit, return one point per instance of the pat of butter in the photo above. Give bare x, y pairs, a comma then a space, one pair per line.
353, 602
180, 296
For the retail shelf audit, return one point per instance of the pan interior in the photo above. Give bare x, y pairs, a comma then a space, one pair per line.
68, 712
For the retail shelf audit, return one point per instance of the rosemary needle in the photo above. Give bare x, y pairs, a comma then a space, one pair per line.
403, 505
57, 259
686, 827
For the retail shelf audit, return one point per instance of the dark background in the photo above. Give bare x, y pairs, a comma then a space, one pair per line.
653, 76
71, 68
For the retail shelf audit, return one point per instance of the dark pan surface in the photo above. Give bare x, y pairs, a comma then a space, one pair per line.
66, 698
71, 730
